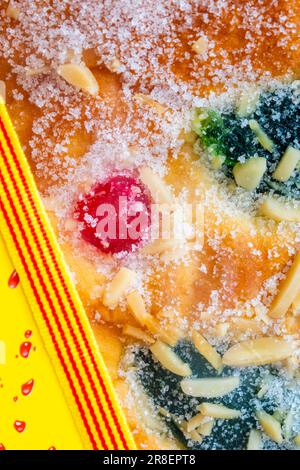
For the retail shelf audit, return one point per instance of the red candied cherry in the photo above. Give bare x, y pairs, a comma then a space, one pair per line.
115, 214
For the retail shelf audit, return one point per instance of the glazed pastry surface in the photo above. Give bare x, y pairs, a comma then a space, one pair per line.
150, 78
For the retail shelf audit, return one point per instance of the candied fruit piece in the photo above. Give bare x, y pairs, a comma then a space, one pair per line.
115, 214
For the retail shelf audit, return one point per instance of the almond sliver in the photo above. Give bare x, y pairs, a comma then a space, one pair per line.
287, 164
254, 440
287, 291
270, 426
160, 246
200, 46
37, 71
138, 334
248, 101
169, 359
204, 348
195, 422
161, 332
137, 306
257, 352
246, 325
80, 76
206, 428
209, 387
122, 282
194, 436
278, 210
297, 440
160, 192
215, 410
147, 100
262, 137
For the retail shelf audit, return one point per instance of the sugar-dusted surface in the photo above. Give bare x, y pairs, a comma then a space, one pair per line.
74, 140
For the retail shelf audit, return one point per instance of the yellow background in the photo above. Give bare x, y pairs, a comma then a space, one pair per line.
45, 411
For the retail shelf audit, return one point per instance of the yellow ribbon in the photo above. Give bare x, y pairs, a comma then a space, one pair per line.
54, 301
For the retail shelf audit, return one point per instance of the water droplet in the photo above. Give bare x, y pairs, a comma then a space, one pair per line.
19, 425
13, 280
25, 349
27, 387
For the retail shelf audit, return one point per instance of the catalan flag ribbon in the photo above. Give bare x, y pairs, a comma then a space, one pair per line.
54, 301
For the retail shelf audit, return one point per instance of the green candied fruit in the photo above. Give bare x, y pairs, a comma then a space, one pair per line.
210, 127
231, 136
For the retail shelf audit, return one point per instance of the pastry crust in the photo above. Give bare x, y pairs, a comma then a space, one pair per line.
73, 135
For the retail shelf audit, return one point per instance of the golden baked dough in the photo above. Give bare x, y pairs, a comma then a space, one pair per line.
136, 70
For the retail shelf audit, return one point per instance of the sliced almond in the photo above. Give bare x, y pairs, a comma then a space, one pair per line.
30, 72
2, 91
287, 290
195, 422
121, 283
249, 174
165, 412
221, 329
297, 440
279, 211
137, 306
257, 352
2, 352
205, 429
292, 365
263, 390
147, 100
168, 320
164, 333
169, 359
12, 11
115, 65
194, 436
215, 410
270, 426
296, 305
255, 440
248, 102
204, 348
138, 334
262, 137
200, 46
287, 164
292, 324
288, 423
160, 192
80, 76
209, 387
246, 325
160, 246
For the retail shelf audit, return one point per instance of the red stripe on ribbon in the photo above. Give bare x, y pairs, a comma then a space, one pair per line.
3, 210
99, 377
52, 309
